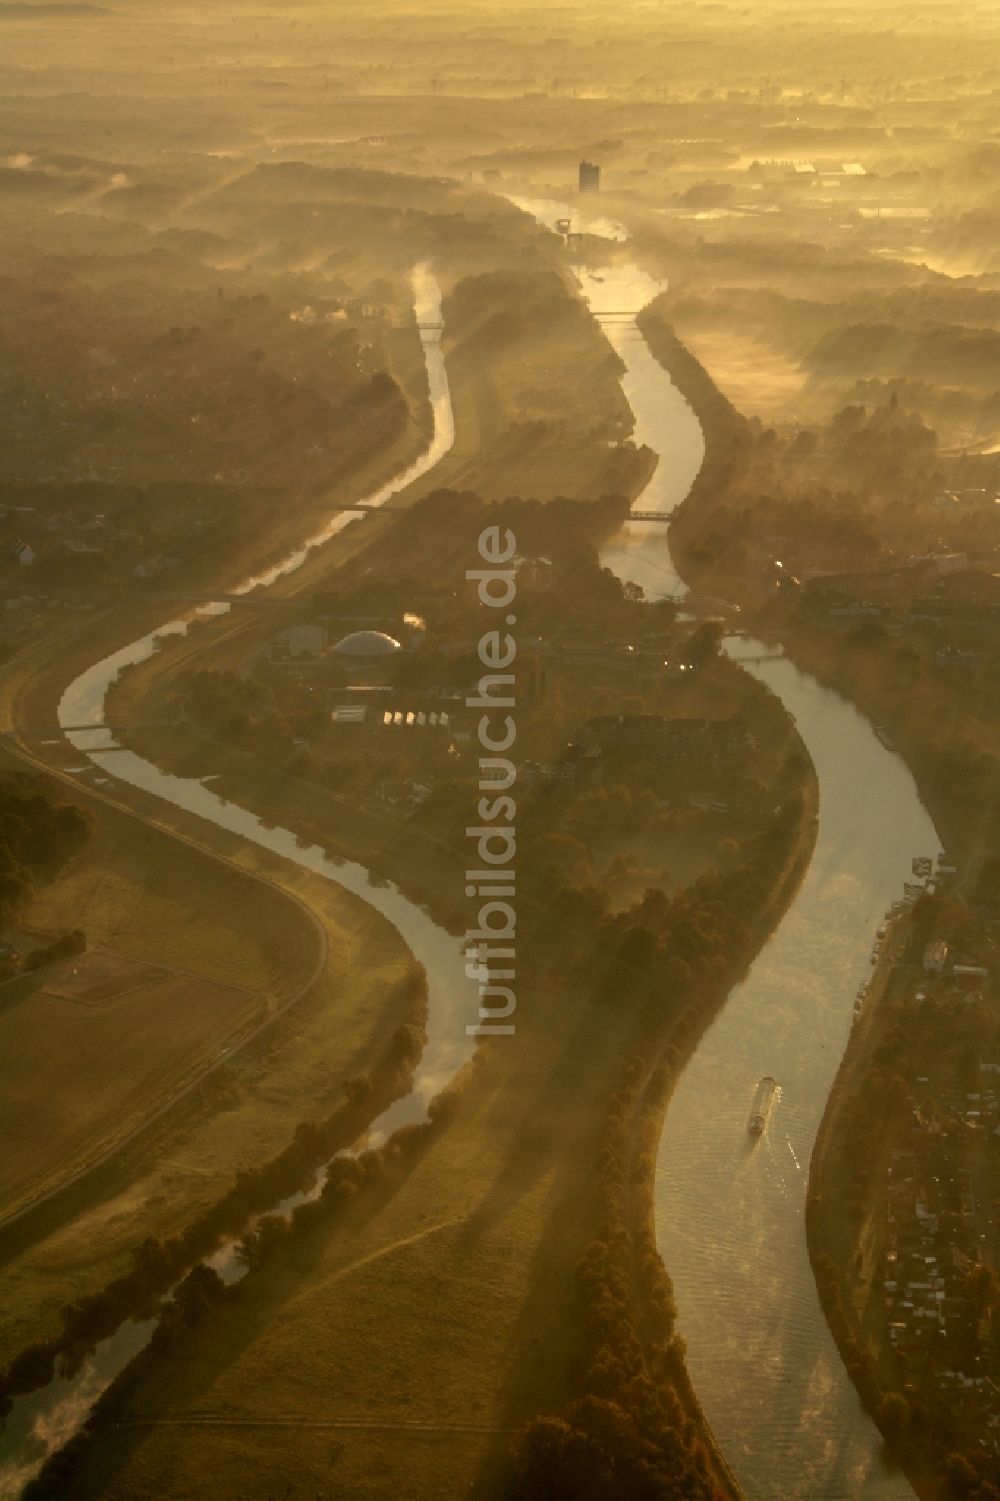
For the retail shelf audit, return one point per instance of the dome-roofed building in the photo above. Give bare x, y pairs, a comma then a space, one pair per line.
366, 645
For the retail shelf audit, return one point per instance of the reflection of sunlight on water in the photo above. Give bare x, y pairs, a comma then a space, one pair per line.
623, 287
582, 219
427, 308
732, 1230
952, 265
33, 1431
663, 421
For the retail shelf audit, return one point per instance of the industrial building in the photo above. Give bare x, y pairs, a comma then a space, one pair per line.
590, 177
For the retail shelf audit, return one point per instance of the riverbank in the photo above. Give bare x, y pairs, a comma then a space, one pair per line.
880, 694
841, 1242
724, 431
719, 419
906, 1277
652, 1103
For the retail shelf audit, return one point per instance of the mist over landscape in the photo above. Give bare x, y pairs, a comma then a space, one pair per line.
499, 751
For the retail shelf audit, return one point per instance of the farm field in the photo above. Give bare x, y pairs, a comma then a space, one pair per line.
335, 1329
153, 906
90, 1048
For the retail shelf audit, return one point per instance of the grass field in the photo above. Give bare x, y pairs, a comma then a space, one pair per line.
161, 905
81, 1073
151, 900
439, 1311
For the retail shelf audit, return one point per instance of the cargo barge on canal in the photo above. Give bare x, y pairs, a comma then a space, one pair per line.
761, 1108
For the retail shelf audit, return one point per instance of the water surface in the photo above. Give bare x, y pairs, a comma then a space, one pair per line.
662, 420
729, 1213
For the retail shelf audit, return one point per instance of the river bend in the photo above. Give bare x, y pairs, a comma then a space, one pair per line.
730, 1215
43, 1421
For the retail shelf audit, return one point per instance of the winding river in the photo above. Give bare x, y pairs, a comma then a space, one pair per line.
729, 1216
662, 420
43, 1421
